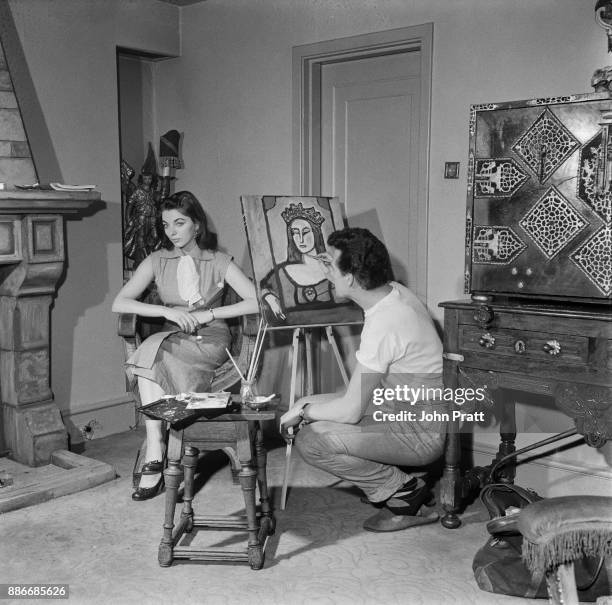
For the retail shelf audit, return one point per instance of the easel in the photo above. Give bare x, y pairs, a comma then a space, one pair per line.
306, 332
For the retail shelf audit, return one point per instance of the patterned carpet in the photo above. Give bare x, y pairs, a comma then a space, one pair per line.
105, 546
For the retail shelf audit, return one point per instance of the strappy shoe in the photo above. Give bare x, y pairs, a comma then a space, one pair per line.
148, 468
146, 493
153, 467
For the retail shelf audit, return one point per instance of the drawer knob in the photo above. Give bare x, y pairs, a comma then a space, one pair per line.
487, 340
552, 347
520, 347
483, 315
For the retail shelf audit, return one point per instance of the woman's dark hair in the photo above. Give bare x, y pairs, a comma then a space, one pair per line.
293, 253
187, 203
363, 255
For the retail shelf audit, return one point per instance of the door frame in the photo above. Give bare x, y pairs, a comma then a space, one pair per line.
307, 62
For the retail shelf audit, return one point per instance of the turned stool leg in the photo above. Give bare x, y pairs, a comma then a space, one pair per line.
172, 477
247, 483
190, 461
268, 522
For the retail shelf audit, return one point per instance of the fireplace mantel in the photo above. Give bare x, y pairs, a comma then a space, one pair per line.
32, 261
46, 202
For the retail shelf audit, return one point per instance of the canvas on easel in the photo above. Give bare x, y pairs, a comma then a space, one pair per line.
285, 234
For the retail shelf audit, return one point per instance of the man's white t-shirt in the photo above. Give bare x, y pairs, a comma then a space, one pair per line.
399, 340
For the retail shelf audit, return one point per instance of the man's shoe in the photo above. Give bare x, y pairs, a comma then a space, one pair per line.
409, 498
384, 520
400, 511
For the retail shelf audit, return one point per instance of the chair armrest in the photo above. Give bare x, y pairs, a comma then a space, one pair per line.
126, 325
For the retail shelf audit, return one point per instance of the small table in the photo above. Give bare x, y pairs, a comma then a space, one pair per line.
239, 434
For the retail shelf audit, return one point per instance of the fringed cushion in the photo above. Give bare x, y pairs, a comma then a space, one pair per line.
560, 530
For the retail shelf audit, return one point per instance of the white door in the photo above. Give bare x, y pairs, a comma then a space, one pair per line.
370, 159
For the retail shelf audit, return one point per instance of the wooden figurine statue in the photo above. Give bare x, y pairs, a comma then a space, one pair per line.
141, 233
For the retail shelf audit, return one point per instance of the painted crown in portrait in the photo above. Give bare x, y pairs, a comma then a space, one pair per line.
294, 211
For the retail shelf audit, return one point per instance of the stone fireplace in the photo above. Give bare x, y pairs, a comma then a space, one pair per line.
32, 263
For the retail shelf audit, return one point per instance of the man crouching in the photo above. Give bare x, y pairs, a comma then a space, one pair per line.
351, 435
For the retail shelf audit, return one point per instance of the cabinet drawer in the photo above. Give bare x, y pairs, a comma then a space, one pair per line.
535, 346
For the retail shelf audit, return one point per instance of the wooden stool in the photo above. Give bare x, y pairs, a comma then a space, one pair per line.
239, 434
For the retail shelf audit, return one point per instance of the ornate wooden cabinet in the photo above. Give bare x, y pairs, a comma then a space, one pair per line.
539, 267
539, 203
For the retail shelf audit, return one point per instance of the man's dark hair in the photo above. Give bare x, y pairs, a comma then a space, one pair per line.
363, 255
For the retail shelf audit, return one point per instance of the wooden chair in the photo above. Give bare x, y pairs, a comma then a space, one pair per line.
133, 329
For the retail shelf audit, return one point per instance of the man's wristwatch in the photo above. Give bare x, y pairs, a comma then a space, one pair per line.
303, 414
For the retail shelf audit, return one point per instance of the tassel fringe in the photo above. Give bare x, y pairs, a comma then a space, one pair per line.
566, 548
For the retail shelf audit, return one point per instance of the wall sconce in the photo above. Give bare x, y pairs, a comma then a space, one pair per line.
603, 16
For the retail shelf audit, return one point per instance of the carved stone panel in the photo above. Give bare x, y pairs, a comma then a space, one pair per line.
10, 240
45, 241
25, 376
24, 322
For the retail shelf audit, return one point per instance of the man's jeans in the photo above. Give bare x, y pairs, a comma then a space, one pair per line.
366, 454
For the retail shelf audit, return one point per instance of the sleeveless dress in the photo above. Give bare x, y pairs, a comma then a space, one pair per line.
177, 361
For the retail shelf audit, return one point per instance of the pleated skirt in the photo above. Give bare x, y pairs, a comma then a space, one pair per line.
179, 362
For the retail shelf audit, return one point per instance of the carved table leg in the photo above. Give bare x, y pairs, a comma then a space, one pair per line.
507, 433
267, 521
451, 479
450, 487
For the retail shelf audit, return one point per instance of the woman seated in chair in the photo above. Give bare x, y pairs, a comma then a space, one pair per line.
190, 275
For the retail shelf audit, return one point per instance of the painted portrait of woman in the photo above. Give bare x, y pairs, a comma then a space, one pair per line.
300, 279
293, 289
